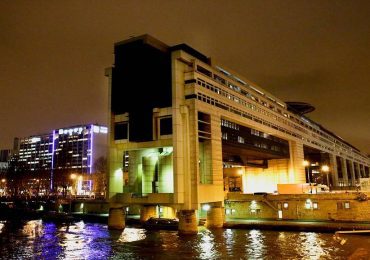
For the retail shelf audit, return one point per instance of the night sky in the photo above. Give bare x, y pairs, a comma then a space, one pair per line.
53, 55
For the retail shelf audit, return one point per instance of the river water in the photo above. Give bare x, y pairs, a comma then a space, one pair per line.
38, 240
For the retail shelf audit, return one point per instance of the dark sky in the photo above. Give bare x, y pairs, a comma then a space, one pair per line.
53, 55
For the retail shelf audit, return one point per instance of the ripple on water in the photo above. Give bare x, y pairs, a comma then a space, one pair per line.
36, 239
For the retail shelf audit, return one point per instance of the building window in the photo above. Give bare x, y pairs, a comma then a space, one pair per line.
343, 205
165, 126
315, 205
121, 130
285, 205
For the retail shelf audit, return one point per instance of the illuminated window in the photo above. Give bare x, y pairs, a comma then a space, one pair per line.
285, 205
308, 204
315, 205
346, 205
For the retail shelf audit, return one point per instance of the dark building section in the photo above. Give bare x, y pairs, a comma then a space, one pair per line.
250, 147
186, 48
141, 81
300, 108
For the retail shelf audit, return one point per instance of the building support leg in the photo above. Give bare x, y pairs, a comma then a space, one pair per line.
215, 217
116, 219
147, 212
187, 222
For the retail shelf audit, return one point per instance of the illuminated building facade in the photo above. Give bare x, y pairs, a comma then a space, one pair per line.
53, 157
35, 153
75, 148
185, 131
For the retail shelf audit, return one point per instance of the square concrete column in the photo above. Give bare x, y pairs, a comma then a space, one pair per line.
216, 145
296, 167
362, 171
344, 170
115, 171
351, 171
357, 170
333, 169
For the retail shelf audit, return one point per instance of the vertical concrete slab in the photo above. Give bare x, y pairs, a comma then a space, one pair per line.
333, 169
344, 171
351, 172
296, 168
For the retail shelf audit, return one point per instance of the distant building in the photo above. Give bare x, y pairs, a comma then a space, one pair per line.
4, 158
4, 161
35, 153
54, 157
76, 148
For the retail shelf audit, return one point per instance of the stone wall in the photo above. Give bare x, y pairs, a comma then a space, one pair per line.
333, 206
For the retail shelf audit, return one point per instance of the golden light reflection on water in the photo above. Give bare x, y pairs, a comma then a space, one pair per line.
1, 227
207, 245
256, 246
33, 228
132, 235
310, 246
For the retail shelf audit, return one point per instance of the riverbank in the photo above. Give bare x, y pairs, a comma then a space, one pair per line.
294, 225
263, 224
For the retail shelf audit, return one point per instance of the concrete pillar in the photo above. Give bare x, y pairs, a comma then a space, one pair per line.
216, 144
115, 171
215, 217
116, 219
344, 171
187, 222
147, 212
356, 166
351, 171
362, 170
296, 167
333, 169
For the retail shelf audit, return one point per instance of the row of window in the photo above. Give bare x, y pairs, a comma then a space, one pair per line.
304, 123
225, 106
315, 205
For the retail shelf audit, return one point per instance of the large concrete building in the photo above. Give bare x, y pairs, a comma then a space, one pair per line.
185, 131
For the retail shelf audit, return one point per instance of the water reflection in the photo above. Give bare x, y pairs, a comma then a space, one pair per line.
38, 240
132, 234
1, 226
311, 245
256, 244
206, 245
33, 228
